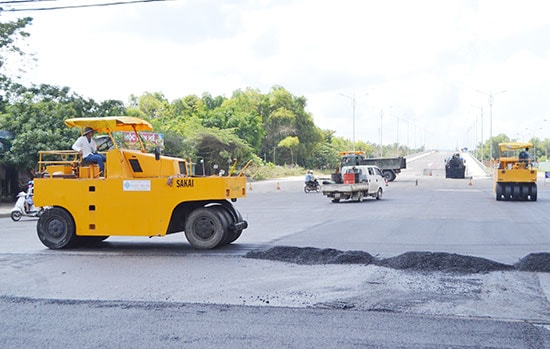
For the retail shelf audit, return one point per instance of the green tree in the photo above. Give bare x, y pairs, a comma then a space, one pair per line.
290, 143
11, 33
36, 118
243, 115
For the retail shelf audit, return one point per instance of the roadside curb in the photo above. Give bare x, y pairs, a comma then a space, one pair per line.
5, 209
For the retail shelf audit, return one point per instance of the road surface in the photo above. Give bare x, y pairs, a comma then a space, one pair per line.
158, 292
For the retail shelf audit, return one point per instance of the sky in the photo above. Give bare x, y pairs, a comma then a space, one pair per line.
417, 73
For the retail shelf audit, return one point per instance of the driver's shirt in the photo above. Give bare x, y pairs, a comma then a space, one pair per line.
87, 147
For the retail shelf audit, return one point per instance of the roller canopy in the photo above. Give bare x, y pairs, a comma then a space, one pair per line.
514, 145
111, 124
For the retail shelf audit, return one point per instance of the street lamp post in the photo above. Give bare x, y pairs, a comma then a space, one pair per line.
491, 95
381, 117
533, 137
481, 112
353, 101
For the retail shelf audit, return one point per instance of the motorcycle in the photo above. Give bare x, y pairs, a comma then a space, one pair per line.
312, 185
19, 210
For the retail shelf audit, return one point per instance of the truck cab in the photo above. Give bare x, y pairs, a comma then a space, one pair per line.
359, 181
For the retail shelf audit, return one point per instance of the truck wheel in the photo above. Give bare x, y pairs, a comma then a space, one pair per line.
390, 175
336, 201
15, 216
379, 194
204, 228
56, 228
360, 196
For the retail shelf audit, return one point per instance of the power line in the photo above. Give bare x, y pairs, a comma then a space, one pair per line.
23, 1
70, 6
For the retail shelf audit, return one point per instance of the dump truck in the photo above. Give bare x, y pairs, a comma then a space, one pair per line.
359, 182
515, 176
390, 167
140, 193
455, 166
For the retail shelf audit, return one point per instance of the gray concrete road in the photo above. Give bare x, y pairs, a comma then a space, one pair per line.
138, 292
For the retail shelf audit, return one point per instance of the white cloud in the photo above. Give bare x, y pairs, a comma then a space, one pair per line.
420, 61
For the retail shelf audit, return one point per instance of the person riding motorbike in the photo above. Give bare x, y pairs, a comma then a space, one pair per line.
28, 198
310, 178
310, 181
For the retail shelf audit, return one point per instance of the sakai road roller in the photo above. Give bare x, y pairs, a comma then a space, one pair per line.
139, 193
515, 176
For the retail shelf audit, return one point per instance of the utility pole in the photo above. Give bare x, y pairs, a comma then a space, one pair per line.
481, 113
353, 100
381, 116
491, 95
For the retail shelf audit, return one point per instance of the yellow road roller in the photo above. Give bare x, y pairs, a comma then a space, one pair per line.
515, 175
140, 192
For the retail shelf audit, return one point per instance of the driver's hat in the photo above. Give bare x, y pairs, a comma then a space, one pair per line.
87, 130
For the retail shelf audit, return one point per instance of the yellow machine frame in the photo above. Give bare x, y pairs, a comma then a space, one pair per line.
141, 194
514, 179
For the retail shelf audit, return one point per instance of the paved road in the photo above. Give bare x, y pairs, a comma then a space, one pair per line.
417, 213
136, 292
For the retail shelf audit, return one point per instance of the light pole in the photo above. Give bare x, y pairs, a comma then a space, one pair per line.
397, 144
546, 143
353, 100
533, 137
381, 117
481, 113
491, 95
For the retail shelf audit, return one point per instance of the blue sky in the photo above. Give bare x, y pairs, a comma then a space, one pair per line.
418, 64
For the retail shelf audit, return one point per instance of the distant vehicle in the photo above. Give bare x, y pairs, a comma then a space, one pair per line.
358, 182
390, 167
515, 176
455, 166
24, 206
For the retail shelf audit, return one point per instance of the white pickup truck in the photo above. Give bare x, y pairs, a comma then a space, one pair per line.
359, 182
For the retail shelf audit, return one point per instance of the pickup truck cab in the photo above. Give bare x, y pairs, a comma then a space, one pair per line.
359, 181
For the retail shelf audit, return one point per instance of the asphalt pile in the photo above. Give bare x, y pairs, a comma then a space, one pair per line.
419, 261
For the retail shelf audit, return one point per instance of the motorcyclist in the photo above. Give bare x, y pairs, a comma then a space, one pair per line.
309, 176
310, 179
28, 198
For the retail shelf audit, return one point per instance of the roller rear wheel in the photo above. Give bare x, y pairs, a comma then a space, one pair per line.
507, 191
533, 192
498, 190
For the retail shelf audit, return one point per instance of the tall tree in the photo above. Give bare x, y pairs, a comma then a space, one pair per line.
36, 118
10, 35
